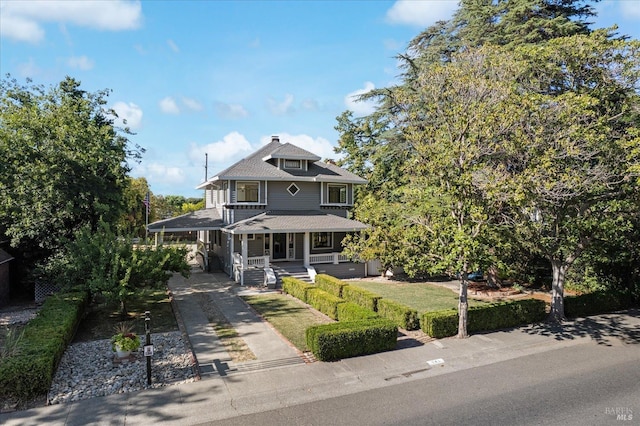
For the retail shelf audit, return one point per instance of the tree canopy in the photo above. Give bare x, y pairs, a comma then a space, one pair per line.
514, 127
64, 165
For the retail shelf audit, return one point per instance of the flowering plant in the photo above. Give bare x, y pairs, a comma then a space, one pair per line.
125, 339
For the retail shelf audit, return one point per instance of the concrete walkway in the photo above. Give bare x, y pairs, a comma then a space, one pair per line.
193, 294
277, 382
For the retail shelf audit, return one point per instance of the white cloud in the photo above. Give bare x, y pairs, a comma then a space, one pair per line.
310, 105
169, 106
421, 13
160, 174
319, 146
281, 108
80, 62
191, 104
129, 115
630, 9
360, 108
173, 46
232, 147
228, 111
18, 28
22, 20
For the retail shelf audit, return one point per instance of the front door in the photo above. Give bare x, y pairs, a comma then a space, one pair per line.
279, 246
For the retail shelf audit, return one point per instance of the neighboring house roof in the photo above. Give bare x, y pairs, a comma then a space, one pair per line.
294, 221
201, 220
256, 167
5, 257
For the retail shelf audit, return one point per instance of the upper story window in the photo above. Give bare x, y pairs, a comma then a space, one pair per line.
247, 192
292, 164
337, 194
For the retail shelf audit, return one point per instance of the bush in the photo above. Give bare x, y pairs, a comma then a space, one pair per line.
330, 284
401, 315
349, 311
439, 324
331, 342
30, 373
324, 302
362, 297
484, 318
296, 288
598, 302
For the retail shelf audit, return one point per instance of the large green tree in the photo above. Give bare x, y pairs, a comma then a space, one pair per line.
571, 174
64, 165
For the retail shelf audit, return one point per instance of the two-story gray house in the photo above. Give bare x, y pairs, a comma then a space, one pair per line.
281, 208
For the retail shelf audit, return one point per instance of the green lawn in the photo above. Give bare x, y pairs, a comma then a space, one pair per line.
422, 297
287, 315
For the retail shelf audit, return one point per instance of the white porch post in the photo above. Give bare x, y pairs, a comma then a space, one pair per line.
306, 248
245, 256
231, 249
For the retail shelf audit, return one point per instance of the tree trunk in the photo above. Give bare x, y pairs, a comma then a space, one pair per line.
492, 277
463, 307
557, 291
123, 310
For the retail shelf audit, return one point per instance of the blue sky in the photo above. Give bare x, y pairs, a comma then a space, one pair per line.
223, 76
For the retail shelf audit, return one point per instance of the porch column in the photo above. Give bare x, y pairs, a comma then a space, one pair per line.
231, 248
245, 255
306, 248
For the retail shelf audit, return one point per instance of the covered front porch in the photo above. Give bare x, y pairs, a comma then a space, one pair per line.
312, 238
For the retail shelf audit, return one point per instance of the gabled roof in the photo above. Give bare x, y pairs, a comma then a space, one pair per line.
294, 221
257, 167
291, 152
201, 220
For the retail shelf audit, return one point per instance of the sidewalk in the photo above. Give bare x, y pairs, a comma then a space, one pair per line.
276, 381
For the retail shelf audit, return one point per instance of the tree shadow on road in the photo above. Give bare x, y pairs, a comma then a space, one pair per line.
603, 329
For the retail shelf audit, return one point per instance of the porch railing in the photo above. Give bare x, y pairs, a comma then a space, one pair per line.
252, 262
328, 258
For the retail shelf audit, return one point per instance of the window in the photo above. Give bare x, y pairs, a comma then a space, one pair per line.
337, 194
322, 240
293, 189
251, 237
292, 164
247, 192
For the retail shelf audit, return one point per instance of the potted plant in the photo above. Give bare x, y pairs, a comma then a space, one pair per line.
124, 341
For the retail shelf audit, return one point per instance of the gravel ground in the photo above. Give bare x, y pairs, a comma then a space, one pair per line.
89, 369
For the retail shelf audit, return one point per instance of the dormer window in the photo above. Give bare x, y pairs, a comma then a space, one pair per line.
292, 164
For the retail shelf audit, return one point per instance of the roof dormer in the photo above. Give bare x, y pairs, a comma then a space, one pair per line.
290, 157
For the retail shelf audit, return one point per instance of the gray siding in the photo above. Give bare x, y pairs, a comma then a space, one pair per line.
341, 270
307, 198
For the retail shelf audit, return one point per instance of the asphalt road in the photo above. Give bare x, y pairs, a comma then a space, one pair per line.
588, 384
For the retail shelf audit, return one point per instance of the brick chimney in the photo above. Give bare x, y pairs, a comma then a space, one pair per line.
275, 138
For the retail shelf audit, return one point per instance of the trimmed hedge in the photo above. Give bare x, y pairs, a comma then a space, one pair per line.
483, 318
30, 373
598, 302
330, 284
349, 311
439, 324
401, 315
331, 342
360, 296
295, 287
324, 302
